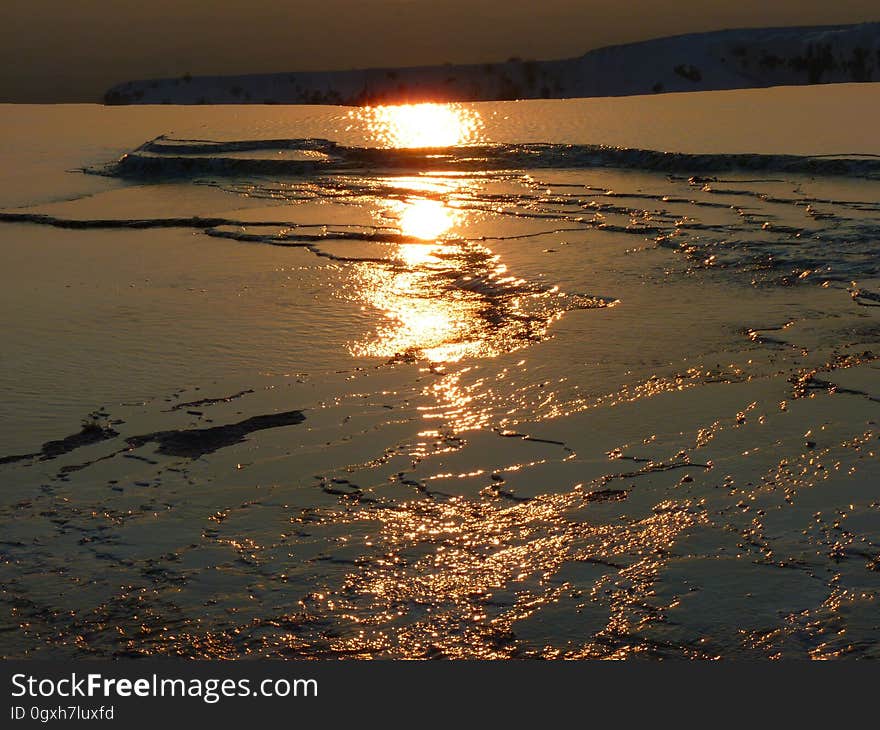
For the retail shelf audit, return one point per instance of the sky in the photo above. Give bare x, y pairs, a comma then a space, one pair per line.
73, 50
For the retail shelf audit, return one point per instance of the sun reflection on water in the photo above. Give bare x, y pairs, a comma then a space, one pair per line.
445, 296
425, 219
420, 125
426, 317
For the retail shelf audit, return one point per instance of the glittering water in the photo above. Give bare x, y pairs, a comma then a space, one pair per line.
415, 382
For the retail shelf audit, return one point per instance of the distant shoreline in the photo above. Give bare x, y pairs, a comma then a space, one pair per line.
714, 61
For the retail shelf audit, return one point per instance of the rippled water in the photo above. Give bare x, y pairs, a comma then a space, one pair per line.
442, 381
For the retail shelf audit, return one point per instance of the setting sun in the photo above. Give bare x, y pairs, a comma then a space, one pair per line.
421, 125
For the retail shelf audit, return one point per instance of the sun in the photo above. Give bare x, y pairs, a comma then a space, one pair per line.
421, 125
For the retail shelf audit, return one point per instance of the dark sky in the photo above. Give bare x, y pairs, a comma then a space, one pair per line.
72, 50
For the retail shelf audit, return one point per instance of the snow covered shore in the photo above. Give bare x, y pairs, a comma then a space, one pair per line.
730, 59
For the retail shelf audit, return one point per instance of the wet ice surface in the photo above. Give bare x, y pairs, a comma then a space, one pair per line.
426, 404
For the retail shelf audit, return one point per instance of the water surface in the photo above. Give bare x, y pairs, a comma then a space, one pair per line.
538, 379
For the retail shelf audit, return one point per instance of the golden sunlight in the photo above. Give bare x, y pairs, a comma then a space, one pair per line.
425, 219
420, 125
418, 254
440, 329
444, 298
